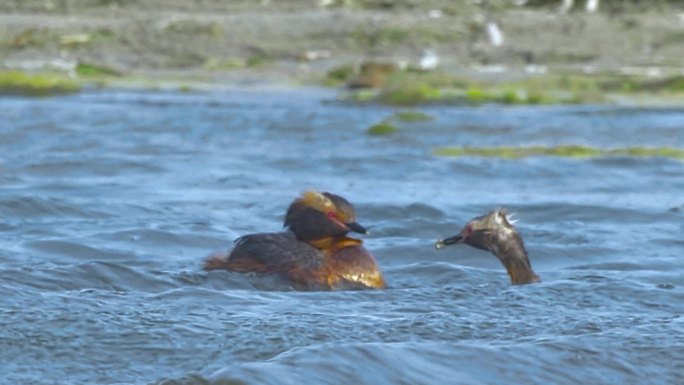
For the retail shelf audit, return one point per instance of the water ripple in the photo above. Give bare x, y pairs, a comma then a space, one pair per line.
112, 199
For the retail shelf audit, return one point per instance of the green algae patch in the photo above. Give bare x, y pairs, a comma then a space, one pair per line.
412, 88
411, 116
675, 84
388, 127
672, 85
661, 152
504, 152
256, 61
574, 152
360, 96
409, 93
475, 95
86, 69
381, 129
339, 75
508, 152
22, 83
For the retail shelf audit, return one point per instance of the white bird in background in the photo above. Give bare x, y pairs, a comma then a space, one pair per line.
590, 6
495, 35
429, 61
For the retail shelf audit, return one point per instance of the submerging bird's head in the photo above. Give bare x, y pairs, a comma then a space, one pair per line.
494, 232
484, 232
316, 215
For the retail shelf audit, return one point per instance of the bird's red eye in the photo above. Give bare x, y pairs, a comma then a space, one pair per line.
331, 214
468, 230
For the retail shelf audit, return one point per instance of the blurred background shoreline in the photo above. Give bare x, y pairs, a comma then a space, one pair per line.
328, 42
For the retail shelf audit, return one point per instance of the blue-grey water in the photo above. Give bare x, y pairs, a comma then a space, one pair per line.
110, 201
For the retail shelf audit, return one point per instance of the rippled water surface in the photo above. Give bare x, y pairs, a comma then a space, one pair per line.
110, 201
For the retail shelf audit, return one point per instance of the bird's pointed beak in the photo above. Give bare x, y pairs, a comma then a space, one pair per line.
357, 228
442, 243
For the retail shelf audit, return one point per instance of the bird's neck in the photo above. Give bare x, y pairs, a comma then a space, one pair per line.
511, 252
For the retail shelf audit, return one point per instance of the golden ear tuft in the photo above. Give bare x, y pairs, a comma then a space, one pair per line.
318, 201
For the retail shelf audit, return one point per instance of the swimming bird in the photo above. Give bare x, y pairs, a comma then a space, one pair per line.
314, 252
494, 232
